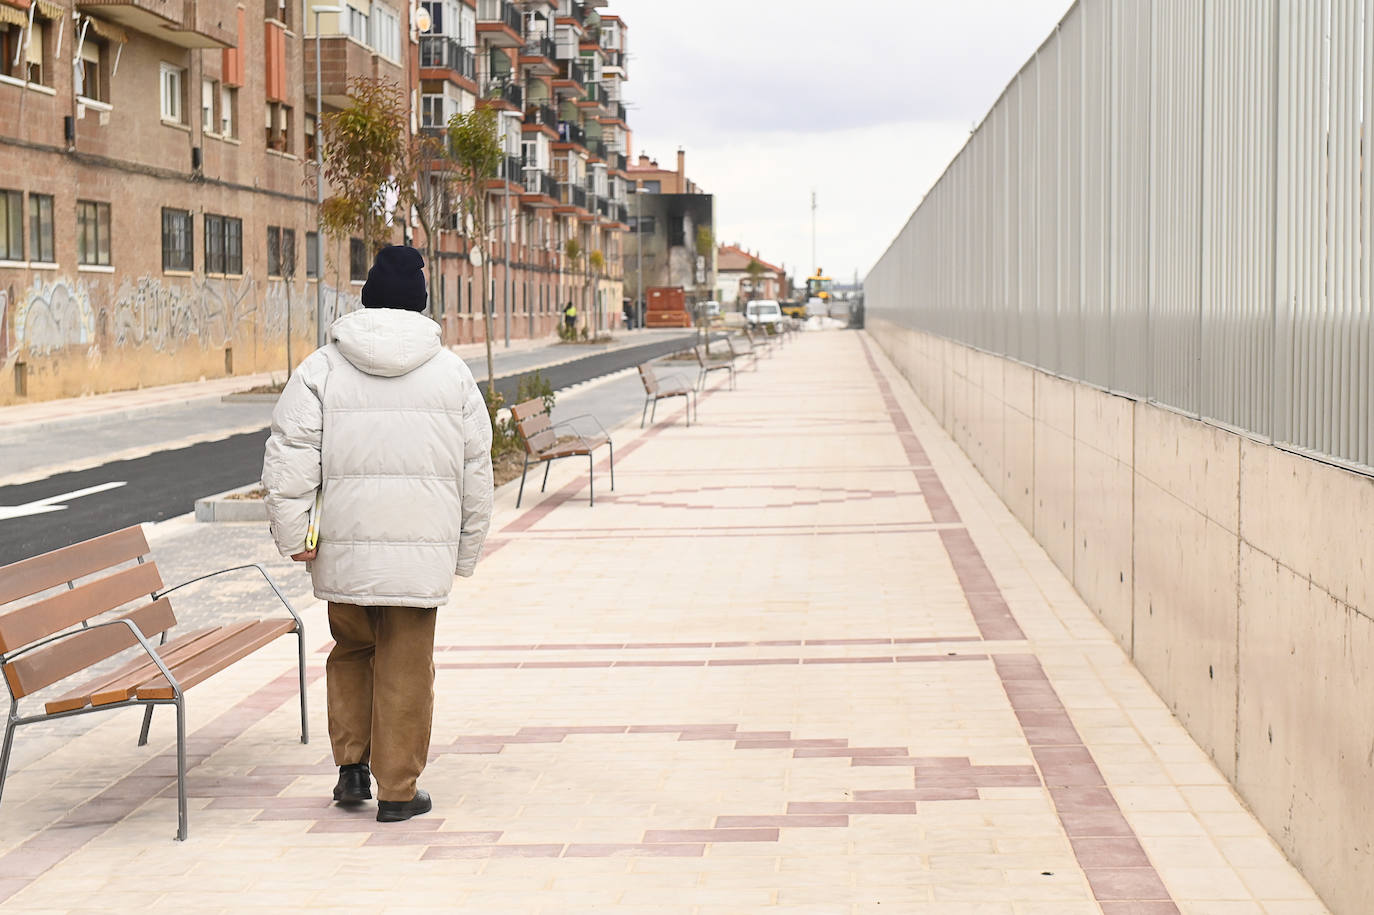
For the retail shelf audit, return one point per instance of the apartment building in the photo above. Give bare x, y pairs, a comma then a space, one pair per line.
157, 206
555, 72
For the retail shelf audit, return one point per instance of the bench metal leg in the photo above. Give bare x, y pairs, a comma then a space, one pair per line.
305, 717
591, 479
147, 723
654, 412
547, 465
611, 445
181, 768
521, 494
643, 413
10, 725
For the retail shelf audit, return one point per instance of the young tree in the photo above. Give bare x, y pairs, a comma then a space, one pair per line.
572, 250
705, 245
474, 146
596, 268
755, 271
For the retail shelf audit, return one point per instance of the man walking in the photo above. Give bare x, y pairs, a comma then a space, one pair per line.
570, 316
381, 446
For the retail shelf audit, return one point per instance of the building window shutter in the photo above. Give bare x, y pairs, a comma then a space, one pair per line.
233, 57
276, 61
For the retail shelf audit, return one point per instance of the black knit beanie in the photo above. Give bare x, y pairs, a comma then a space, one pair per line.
396, 280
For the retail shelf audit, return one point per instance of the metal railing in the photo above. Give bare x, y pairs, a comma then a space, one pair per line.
541, 115
618, 161
538, 181
571, 133
572, 70
614, 58
597, 148
446, 53
503, 89
573, 195
502, 11
515, 169
614, 109
540, 46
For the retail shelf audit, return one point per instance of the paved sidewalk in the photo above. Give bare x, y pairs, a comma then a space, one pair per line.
801, 659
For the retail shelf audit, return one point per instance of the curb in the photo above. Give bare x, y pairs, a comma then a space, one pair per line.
241, 397
220, 508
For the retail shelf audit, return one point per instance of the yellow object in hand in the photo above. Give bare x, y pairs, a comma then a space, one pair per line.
312, 532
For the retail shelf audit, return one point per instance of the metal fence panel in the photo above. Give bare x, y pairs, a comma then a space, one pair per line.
1171, 200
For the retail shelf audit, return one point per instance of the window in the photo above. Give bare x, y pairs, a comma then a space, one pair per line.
357, 260
92, 233
11, 226
223, 245
652, 187
643, 224
92, 73
228, 111
432, 111
356, 23
177, 232
310, 136
279, 10
172, 79
207, 105
279, 127
41, 229
281, 252
312, 255
386, 32
21, 51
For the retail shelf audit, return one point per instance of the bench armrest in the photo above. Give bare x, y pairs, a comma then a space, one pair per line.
572, 423
138, 636
157, 595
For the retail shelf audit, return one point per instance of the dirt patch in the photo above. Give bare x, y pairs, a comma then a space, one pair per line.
257, 493
603, 339
507, 467
274, 388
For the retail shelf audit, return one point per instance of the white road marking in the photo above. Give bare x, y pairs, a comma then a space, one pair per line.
53, 503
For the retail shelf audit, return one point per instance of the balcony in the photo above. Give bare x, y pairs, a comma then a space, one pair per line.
185, 23
540, 54
440, 52
571, 133
618, 161
614, 109
500, 23
541, 185
597, 148
622, 213
615, 59
504, 93
341, 59
572, 195
541, 116
570, 71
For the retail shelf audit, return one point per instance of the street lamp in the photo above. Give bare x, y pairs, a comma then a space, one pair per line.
639, 250
319, 178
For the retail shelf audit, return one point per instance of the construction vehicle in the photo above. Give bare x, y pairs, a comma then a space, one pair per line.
818, 287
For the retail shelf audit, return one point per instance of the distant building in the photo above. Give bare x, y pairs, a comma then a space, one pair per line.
736, 286
666, 220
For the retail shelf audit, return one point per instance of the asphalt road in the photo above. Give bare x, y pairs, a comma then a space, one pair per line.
167, 483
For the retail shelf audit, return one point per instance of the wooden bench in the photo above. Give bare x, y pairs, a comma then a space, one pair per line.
67, 632
742, 349
544, 443
760, 340
708, 363
656, 389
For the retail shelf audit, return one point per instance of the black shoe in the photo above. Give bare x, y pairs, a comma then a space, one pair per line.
355, 784
396, 811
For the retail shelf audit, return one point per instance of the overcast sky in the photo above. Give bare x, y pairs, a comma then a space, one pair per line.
865, 101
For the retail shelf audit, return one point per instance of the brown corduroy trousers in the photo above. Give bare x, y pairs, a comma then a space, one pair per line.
381, 692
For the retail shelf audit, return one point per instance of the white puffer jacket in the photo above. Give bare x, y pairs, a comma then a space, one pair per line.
396, 429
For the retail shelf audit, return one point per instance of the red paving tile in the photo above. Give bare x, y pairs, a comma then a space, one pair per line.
679, 836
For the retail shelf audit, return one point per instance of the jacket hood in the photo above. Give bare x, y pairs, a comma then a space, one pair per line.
386, 341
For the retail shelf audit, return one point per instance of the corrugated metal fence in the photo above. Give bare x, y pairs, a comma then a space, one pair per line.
1172, 200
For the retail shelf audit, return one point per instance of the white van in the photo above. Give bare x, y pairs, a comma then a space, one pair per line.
763, 311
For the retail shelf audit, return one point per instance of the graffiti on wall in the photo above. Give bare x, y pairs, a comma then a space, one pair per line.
54, 315
4, 326
167, 316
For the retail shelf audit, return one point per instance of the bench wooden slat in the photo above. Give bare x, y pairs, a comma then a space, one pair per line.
125, 687
81, 696
53, 614
523, 411
533, 425
647, 376
539, 444
226, 652
39, 573
80, 650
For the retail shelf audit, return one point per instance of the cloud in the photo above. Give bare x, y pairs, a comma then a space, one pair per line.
865, 100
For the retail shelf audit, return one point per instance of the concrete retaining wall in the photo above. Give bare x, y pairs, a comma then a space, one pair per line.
1239, 576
